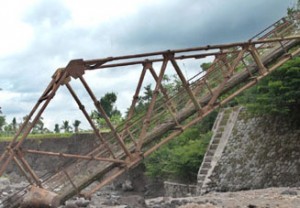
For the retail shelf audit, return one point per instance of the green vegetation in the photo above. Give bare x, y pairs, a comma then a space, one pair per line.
108, 103
293, 10
2, 122
66, 127
205, 66
3, 137
76, 125
8, 130
180, 159
278, 94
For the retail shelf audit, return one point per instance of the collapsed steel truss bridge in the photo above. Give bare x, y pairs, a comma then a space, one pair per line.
235, 67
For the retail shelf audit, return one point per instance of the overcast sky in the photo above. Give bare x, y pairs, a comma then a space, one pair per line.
39, 36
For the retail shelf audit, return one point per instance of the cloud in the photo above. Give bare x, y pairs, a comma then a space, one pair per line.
54, 32
15, 34
183, 24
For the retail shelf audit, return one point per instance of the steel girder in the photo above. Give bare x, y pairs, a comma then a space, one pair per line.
236, 67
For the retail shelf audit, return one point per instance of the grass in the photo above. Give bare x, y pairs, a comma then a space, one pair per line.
8, 136
4, 137
38, 136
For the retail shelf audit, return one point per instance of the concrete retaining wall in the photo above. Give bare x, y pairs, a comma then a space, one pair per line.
261, 152
76, 144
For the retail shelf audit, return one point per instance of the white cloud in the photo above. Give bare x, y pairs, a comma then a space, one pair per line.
39, 36
15, 35
91, 13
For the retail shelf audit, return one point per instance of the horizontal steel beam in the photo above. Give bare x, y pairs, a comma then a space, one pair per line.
82, 157
89, 63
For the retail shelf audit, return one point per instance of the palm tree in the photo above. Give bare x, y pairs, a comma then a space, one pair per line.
56, 129
76, 125
14, 124
66, 127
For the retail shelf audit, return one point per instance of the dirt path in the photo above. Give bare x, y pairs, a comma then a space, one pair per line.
264, 198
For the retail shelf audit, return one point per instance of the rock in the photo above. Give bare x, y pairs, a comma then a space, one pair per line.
4, 193
127, 186
133, 201
71, 204
289, 192
4, 183
111, 202
176, 203
193, 205
81, 202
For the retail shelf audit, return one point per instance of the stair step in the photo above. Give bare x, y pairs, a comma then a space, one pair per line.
206, 165
219, 134
210, 153
213, 146
208, 159
221, 128
216, 141
201, 178
204, 171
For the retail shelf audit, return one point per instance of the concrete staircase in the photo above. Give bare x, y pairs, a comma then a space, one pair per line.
221, 131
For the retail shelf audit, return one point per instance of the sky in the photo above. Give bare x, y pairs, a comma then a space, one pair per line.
39, 36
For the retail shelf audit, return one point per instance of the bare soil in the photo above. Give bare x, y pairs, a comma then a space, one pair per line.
263, 198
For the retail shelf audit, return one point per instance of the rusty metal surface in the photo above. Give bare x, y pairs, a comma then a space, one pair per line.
236, 67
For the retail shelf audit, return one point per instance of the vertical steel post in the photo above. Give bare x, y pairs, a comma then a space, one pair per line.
135, 99
185, 84
168, 104
146, 121
261, 68
230, 70
137, 91
163, 90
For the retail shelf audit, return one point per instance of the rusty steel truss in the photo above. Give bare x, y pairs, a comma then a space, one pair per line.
236, 67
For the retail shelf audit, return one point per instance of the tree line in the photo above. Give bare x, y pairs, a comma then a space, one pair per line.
11, 128
107, 101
